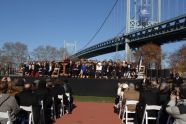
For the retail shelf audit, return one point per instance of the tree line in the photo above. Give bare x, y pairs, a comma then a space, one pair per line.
17, 52
151, 54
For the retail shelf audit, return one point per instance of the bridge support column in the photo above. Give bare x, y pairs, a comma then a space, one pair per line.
128, 51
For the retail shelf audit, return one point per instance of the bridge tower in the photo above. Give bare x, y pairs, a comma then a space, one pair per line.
69, 49
140, 14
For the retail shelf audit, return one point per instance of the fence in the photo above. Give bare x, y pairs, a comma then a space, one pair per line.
9, 69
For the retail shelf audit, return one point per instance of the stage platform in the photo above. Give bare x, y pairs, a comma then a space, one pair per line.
86, 86
96, 87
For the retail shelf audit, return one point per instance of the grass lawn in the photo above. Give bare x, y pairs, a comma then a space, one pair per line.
94, 99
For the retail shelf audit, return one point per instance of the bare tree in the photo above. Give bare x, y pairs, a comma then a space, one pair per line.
52, 53
39, 53
151, 55
14, 52
177, 60
48, 53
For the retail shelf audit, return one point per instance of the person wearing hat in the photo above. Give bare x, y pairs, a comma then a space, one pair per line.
29, 98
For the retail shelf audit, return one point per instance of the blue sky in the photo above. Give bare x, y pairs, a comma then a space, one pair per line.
50, 22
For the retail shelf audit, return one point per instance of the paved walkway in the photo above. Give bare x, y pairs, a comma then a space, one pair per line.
90, 113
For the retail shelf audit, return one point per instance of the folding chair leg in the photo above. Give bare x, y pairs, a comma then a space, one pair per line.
123, 116
146, 118
120, 109
126, 118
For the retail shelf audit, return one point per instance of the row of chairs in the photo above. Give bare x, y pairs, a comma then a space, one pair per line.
124, 112
62, 106
6, 115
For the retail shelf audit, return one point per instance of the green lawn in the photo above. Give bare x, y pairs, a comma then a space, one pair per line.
94, 99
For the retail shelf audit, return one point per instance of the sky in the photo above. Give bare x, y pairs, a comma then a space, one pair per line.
51, 22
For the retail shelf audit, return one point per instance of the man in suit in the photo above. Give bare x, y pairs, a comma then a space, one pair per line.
28, 98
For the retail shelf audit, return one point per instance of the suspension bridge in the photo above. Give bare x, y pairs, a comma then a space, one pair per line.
145, 21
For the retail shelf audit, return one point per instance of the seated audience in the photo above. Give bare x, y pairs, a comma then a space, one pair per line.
28, 98
177, 80
131, 94
55, 89
9, 81
122, 88
7, 102
163, 101
145, 82
43, 95
68, 90
177, 106
149, 96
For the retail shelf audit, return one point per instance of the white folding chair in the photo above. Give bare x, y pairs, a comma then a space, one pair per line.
29, 109
68, 96
120, 108
126, 111
42, 113
6, 115
62, 107
53, 109
120, 104
146, 117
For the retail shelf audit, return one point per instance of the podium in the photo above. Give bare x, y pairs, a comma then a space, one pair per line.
64, 71
61, 69
55, 73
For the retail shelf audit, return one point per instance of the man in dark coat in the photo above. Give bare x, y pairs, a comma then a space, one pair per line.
28, 98
145, 82
149, 96
54, 91
177, 81
163, 101
43, 95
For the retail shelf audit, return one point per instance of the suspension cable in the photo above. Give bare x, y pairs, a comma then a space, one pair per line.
101, 26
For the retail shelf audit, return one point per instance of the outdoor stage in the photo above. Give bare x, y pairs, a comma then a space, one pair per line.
96, 87
87, 86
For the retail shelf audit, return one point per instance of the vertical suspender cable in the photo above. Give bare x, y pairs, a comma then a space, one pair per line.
182, 10
135, 12
184, 7
168, 9
177, 7
152, 9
